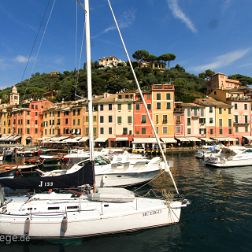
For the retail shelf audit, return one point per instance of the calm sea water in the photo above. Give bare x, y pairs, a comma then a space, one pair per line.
218, 219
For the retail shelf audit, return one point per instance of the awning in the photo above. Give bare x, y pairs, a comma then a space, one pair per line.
145, 140
209, 140
72, 140
182, 139
82, 139
4, 138
100, 140
11, 138
193, 139
169, 140
248, 137
225, 139
119, 139
16, 138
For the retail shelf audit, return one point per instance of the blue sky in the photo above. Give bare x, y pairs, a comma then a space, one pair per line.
215, 34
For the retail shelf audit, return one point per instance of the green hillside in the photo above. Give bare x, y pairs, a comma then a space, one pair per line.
112, 80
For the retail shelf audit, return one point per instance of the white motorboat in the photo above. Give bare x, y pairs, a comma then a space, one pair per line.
117, 174
106, 211
207, 151
233, 156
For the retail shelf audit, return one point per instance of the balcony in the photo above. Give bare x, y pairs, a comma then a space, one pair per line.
241, 123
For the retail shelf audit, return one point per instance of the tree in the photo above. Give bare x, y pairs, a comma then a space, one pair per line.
168, 57
207, 74
140, 55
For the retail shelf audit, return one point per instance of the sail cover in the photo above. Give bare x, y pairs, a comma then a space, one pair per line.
85, 175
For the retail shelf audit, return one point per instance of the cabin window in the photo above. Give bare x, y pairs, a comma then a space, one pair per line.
53, 208
72, 207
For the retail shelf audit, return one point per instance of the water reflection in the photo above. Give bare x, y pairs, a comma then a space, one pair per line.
219, 218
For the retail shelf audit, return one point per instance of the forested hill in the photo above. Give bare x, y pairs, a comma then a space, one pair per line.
112, 80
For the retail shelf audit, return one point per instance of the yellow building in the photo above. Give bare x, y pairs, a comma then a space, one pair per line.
162, 109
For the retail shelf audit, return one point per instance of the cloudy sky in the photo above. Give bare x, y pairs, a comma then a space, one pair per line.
203, 34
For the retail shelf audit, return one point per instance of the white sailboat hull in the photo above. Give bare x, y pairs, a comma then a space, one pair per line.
103, 220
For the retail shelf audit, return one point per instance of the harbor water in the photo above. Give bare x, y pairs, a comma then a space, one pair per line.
218, 219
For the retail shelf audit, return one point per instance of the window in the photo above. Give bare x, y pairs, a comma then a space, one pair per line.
143, 131
158, 105
129, 106
246, 118
168, 105
220, 111
66, 121
119, 106
36, 122
129, 119
101, 131
149, 106
195, 112
165, 119
229, 122
137, 106
211, 131
28, 122
110, 119
245, 106
143, 119
78, 121
78, 111
101, 107
158, 96
110, 130
220, 132
235, 106
236, 118
36, 130
188, 121
156, 119
189, 131
210, 120
119, 119
210, 109
229, 111
246, 128
168, 96
220, 122
165, 130
110, 106
125, 131
229, 131
188, 112
74, 112
58, 122
101, 119
201, 112
73, 121
27, 130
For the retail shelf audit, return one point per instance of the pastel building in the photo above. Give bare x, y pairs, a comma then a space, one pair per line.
222, 82
115, 119
240, 104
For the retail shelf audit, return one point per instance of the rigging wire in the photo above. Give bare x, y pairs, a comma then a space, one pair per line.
142, 97
35, 41
81, 50
43, 35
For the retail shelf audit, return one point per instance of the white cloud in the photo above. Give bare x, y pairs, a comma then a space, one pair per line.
21, 59
178, 13
124, 21
223, 60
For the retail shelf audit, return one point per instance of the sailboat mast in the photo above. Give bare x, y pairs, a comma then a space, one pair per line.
89, 80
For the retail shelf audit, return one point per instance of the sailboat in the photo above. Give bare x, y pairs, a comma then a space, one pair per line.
98, 212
